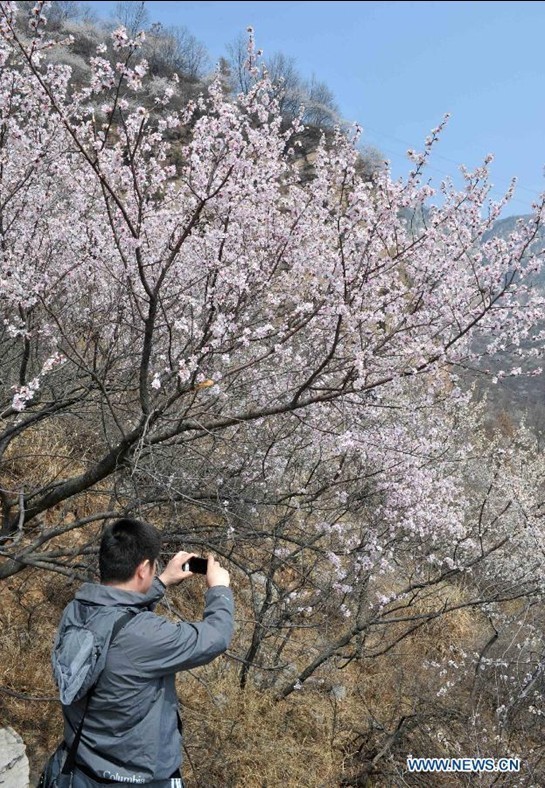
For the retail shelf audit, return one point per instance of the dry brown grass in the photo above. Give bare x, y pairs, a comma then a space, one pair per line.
31, 608
41, 454
245, 738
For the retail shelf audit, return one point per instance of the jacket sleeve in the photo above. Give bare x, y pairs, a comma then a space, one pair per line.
157, 646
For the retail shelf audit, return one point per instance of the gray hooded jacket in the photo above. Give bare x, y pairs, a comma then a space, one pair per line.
130, 733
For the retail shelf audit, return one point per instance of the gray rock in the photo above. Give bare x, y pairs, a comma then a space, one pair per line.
338, 691
14, 768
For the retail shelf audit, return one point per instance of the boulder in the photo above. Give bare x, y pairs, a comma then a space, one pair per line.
14, 769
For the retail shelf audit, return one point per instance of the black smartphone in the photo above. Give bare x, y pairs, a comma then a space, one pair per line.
197, 565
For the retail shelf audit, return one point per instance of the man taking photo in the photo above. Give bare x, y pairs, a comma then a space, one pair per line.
131, 731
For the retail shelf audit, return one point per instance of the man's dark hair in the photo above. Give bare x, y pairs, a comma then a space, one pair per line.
125, 544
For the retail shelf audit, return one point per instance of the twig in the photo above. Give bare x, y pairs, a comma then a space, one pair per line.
22, 696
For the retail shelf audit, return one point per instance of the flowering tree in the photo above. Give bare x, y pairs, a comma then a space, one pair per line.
268, 365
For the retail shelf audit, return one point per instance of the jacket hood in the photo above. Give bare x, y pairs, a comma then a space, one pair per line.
107, 596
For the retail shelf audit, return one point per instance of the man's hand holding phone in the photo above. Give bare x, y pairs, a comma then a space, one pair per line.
185, 565
175, 571
216, 575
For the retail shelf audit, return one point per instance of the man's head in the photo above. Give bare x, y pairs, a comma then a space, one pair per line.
128, 552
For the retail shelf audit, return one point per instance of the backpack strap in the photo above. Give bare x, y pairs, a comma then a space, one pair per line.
117, 627
70, 761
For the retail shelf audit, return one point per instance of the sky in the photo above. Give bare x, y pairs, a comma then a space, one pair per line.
397, 67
